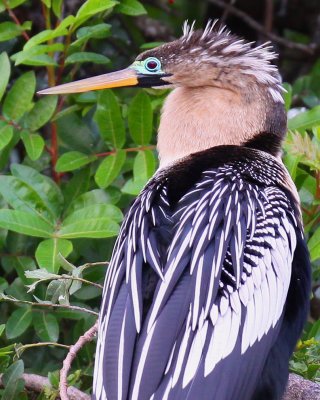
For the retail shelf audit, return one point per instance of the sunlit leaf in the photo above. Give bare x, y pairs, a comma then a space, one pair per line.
10, 30
48, 250
49, 34
25, 223
23, 197
25, 56
11, 3
92, 7
96, 221
305, 120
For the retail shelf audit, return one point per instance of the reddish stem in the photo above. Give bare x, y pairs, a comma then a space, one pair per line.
130, 149
15, 19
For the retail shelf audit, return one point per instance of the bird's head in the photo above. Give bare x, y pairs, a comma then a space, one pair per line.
226, 91
200, 58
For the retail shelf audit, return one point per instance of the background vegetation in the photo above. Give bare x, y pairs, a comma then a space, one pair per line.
72, 165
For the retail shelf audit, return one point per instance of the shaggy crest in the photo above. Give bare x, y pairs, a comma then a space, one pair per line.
223, 49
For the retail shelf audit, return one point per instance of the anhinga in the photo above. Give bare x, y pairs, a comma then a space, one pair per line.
208, 285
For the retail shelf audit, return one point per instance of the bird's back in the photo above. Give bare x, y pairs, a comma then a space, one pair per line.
208, 283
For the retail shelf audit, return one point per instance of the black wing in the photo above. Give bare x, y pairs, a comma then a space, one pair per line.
220, 267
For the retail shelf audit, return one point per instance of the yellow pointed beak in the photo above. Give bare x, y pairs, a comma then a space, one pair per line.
125, 77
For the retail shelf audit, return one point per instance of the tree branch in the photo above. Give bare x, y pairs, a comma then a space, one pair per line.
301, 389
309, 49
37, 383
85, 338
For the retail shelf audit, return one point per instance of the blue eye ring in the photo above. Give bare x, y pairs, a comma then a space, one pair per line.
152, 64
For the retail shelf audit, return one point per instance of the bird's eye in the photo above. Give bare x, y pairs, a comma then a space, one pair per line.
152, 64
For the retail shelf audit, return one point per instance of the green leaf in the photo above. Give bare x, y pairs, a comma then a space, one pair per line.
68, 126
85, 56
131, 7
140, 117
6, 134
23, 197
40, 61
25, 56
47, 3
109, 119
10, 30
11, 3
66, 111
99, 31
57, 291
12, 375
41, 113
96, 221
57, 7
73, 160
18, 100
33, 143
109, 169
96, 196
314, 245
5, 72
144, 165
18, 322
20, 265
92, 7
48, 34
143, 169
46, 326
305, 120
77, 185
47, 190
13, 391
48, 250
94, 211
25, 223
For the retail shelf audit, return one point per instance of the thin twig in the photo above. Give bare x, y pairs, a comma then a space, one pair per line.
15, 19
130, 149
69, 307
85, 338
74, 278
94, 264
268, 20
309, 49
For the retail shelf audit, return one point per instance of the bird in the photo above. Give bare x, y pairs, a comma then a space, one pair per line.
208, 287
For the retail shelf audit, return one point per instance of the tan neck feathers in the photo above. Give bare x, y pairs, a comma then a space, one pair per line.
195, 119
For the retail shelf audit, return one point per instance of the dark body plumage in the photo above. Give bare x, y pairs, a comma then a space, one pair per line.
208, 287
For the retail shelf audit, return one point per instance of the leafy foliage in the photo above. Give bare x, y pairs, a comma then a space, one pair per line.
72, 165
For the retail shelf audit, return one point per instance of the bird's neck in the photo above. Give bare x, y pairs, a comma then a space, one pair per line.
195, 119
